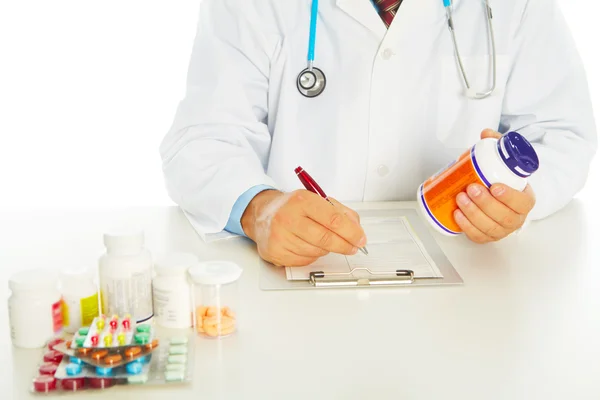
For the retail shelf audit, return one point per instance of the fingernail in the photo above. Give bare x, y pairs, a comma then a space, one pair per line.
474, 190
354, 250
458, 215
362, 241
497, 191
463, 199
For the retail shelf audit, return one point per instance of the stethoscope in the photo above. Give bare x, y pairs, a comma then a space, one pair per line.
312, 81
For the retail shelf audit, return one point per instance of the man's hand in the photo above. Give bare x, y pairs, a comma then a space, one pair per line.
491, 215
295, 229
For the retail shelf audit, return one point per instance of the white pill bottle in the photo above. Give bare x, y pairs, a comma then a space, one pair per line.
125, 273
510, 160
80, 298
34, 308
172, 292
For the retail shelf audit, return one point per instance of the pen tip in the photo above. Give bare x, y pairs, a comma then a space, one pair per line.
364, 250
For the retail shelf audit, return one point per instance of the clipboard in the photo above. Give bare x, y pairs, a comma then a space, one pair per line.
274, 278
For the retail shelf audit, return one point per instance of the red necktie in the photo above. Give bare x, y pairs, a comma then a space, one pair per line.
387, 10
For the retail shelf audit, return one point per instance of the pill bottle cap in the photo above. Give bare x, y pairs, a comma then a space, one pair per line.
124, 243
518, 154
174, 263
32, 280
215, 272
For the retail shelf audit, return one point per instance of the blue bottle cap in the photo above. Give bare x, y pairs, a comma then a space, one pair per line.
518, 154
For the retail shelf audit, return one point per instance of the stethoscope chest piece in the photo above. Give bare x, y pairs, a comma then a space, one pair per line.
311, 82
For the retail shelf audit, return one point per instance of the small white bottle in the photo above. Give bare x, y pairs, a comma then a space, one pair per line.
172, 291
125, 273
80, 298
34, 308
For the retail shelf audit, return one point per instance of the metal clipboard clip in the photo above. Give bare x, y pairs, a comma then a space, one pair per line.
336, 279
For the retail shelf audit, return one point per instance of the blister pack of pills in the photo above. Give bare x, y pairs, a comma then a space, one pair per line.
60, 373
173, 362
110, 343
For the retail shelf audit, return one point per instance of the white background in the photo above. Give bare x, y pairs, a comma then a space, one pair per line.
89, 89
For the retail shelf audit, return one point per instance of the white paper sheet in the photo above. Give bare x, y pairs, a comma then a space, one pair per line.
392, 245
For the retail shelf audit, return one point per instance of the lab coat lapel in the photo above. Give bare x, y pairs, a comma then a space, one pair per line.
364, 12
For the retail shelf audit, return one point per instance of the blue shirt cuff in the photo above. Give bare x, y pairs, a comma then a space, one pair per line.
234, 224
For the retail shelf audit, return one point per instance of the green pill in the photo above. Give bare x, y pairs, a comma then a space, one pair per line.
83, 331
180, 349
138, 379
143, 328
179, 340
175, 367
141, 337
79, 341
171, 376
177, 359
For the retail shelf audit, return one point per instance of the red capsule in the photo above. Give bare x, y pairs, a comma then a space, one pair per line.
44, 383
53, 356
72, 384
48, 368
101, 383
54, 342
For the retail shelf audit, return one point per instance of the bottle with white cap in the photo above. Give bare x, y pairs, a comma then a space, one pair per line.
172, 291
34, 308
125, 273
80, 298
215, 297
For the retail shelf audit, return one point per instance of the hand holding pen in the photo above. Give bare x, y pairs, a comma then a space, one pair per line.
311, 185
296, 229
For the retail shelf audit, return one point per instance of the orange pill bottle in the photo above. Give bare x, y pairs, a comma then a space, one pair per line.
510, 160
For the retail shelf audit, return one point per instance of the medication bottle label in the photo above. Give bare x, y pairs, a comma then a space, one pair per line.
57, 316
438, 193
172, 308
89, 309
128, 296
65, 313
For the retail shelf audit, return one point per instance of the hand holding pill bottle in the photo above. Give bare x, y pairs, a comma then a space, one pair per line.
509, 160
215, 297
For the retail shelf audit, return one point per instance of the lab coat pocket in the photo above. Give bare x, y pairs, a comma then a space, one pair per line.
460, 118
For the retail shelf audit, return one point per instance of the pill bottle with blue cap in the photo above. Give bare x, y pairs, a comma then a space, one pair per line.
509, 160
215, 296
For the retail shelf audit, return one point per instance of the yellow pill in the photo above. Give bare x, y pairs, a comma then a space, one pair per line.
121, 339
107, 340
100, 324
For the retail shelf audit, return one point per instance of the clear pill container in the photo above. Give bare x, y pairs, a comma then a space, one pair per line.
216, 297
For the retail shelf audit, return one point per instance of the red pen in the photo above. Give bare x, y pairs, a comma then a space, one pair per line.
311, 185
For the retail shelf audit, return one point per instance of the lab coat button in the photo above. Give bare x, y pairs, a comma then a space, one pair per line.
383, 170
387, 54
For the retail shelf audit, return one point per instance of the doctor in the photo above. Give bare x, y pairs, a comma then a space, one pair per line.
372, 99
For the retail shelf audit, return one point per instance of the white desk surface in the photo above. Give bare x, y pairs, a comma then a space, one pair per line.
525, 325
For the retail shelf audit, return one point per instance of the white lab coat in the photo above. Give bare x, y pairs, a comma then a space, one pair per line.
393, 111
